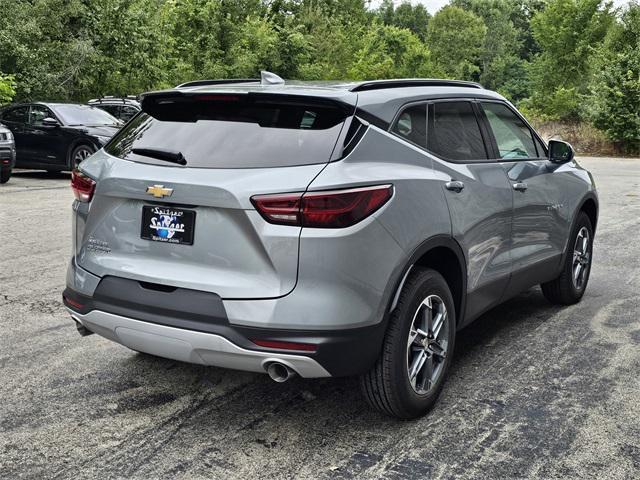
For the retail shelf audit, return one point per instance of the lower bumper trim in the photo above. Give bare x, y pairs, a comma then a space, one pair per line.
191, 346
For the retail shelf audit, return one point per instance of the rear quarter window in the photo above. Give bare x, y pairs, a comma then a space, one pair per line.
229, 132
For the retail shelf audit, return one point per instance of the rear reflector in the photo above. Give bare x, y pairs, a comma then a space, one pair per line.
305, 347
332, 209
73, 303
82, 186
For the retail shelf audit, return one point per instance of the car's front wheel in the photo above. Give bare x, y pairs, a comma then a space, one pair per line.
408, 377
570, 285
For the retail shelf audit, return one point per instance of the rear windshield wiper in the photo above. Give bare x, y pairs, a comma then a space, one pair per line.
166, 155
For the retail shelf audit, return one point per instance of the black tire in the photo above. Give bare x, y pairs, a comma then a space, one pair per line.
564, 290
386, 386
79, 153
5, 175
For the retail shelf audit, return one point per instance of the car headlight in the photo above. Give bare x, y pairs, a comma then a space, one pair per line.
6, 136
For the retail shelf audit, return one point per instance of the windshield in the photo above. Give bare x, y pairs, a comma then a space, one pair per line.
232, 134
84, 115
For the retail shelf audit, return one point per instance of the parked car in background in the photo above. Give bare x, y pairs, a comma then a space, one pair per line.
57, 136
123, 108
7, 153
324, 229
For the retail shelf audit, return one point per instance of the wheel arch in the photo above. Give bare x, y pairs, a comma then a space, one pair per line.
443, 254
589, 205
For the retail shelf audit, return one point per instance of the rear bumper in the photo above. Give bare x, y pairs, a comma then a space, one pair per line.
7, 157
192, 326
191, 346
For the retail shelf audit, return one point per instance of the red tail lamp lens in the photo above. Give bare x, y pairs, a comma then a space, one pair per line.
333, 209
82, 186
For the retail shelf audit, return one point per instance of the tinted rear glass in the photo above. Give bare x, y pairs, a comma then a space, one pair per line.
454, 133
232, 132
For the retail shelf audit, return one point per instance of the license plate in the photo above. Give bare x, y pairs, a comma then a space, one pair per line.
168, 224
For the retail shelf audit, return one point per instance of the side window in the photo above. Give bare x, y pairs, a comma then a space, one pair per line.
513, 136
128, 113
112, 109
454, 132
412, 125
18, 115
38, 114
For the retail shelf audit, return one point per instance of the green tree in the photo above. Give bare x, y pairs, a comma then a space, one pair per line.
616, 87
412, 17
389, 52
455, 38
501, 68
568, 32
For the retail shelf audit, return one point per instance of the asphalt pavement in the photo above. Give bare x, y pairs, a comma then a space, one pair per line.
536, 391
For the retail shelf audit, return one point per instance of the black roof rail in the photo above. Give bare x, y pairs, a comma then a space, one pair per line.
412, 82
200, 83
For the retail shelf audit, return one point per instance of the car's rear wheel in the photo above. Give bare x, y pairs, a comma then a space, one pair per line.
408, 377
5, 175
80, 153
570, 285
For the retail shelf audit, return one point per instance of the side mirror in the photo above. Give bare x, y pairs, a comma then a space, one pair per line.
50, 122
560, 152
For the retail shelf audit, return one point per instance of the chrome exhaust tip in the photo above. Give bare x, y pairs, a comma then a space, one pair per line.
82, 330
279, 372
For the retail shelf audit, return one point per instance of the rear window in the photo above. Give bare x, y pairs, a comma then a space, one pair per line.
227, 131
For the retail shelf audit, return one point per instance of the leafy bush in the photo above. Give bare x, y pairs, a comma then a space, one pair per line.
7, 88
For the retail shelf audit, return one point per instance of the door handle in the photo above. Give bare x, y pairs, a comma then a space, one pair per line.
520, 186
454, 186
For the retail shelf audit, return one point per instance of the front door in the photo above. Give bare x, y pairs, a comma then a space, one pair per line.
44, 140
540, 219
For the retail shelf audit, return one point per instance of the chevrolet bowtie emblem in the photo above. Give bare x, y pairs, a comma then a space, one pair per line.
159, 191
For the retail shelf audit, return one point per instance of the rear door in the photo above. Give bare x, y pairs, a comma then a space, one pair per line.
541, 223
479, 198
193, 225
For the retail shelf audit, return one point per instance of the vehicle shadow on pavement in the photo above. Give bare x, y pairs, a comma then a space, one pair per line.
41, 174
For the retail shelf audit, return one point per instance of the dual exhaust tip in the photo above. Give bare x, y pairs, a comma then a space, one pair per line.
279, 372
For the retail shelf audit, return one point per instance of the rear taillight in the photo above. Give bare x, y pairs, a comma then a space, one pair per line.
82, 186
333, 209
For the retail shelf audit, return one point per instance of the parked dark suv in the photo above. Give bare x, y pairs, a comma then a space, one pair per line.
324, 229
123, 108
57, 136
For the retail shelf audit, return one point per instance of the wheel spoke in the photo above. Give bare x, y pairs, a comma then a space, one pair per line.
438, 322
416, 365
427, 374
576, 273
413, 334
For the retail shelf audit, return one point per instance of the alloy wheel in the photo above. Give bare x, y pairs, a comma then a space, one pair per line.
81, 154
427, 344
581, 258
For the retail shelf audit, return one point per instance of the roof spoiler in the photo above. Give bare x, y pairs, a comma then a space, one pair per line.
266, 79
